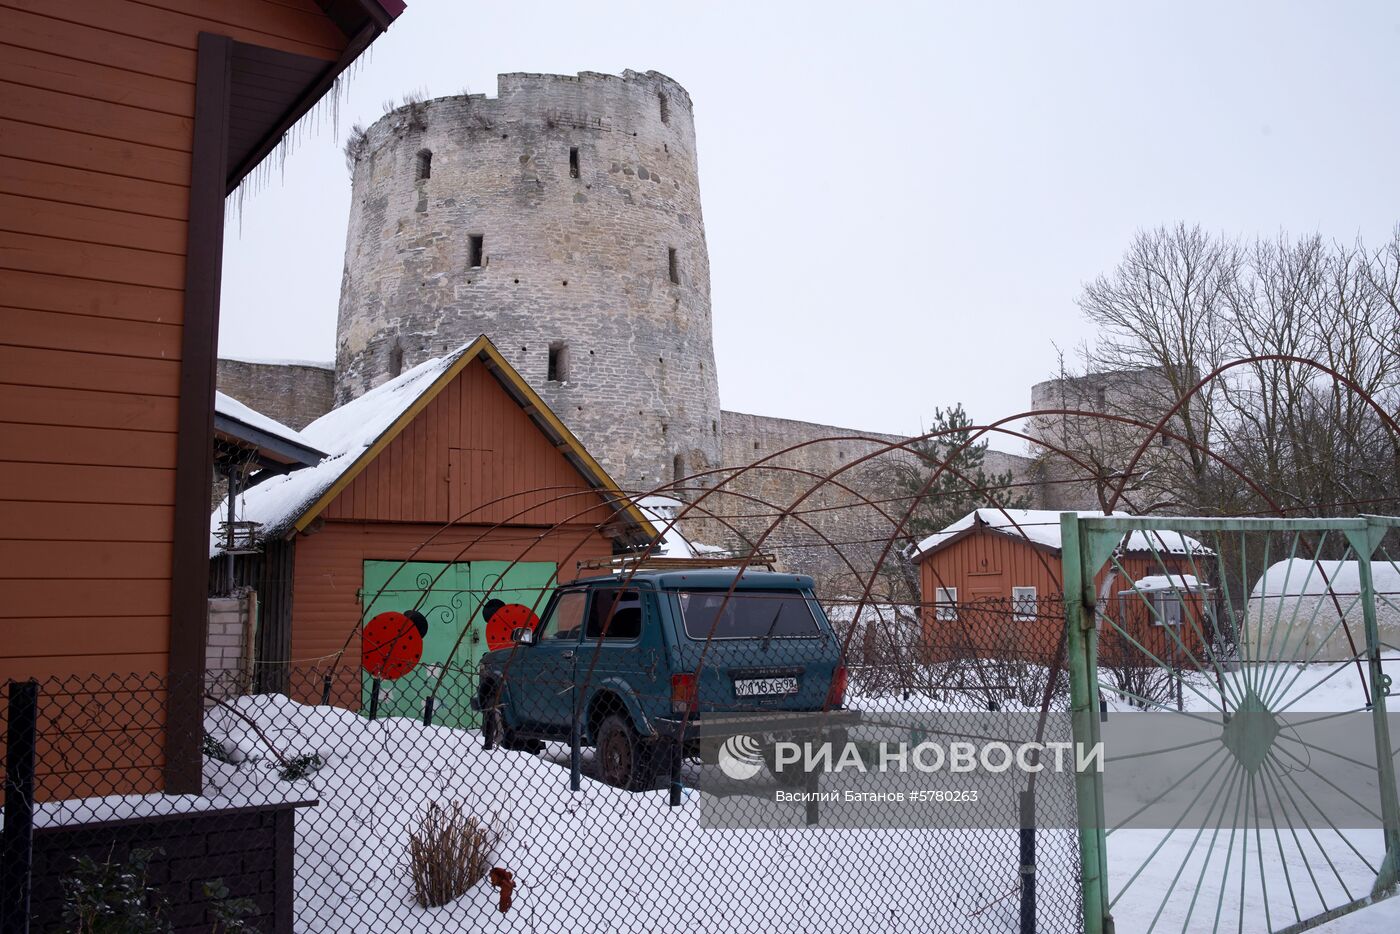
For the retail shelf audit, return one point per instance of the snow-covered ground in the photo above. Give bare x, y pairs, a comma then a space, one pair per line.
599, 859
602, 859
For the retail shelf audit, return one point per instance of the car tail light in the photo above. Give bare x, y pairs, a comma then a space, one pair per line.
683, 693
836, 697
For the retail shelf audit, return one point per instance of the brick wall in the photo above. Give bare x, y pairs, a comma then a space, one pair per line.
226, 652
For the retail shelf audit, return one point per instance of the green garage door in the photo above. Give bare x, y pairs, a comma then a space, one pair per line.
452, 605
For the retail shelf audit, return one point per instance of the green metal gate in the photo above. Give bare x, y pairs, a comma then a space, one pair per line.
450, 596
1253, 633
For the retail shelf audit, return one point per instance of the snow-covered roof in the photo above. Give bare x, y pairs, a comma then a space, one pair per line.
345, 433
1042, 527
1296, 577
660, 510
230, 407
1155, 582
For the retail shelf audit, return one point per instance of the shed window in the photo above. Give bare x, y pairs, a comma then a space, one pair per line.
945, 603
1023, 603
476, 245
673, 266
558, 362
573, 162
423, 165
1167, 609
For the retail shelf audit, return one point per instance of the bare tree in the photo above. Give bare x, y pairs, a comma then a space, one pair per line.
1182, 303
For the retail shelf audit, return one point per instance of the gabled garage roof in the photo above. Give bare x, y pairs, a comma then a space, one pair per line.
354, 434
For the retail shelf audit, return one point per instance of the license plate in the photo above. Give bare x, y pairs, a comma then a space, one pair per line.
753, 687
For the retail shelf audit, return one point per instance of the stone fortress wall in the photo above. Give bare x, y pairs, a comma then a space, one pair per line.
857, 528
562, 219
295, 394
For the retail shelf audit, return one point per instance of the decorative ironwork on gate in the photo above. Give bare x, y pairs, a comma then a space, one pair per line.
1262, 642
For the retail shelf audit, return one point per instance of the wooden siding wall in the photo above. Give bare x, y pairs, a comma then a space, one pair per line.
96, 117
985, 566
329, 572
472, 446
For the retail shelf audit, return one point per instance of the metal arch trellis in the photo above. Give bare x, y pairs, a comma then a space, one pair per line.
1261, 673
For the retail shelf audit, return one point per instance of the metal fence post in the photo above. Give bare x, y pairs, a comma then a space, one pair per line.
1083, 691
1027, 862
575, 754
373, 698
1380, 689
19, 805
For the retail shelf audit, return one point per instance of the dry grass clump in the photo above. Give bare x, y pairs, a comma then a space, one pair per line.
449, 852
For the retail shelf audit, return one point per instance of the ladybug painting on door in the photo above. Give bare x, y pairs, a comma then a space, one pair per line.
392, 644
504, 618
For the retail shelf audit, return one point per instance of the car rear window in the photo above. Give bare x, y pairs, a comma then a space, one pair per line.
746, 614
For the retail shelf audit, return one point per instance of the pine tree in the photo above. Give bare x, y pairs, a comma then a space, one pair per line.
962, 487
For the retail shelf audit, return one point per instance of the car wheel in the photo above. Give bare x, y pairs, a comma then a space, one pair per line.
624, 759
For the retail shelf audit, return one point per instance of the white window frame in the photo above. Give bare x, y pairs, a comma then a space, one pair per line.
1023, 598
1167, 604
945, 603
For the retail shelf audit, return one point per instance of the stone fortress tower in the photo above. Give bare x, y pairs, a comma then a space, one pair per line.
562, 219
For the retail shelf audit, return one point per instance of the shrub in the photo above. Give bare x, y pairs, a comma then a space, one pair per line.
113, 898
300, 767
215, 749
449, 852
230, 914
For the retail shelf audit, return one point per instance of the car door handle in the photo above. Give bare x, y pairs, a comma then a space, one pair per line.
566, 654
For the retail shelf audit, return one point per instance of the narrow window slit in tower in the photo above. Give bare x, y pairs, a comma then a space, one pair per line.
678, 467
475, 244
573, 162
672, 266
395, 359
665, 108
423, 165
558, 362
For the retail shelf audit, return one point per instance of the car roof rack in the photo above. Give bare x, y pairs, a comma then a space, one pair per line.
639, 562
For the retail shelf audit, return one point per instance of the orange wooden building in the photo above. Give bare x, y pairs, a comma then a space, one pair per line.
123, 127
992, 585
447, 486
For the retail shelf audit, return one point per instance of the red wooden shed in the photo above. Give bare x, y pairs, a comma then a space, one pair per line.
991, 584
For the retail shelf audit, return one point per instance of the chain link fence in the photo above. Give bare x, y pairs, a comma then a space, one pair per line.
619, 767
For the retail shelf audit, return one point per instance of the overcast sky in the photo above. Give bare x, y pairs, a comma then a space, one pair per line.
901, 201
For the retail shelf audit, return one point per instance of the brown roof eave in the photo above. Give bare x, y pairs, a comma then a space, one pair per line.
375, 16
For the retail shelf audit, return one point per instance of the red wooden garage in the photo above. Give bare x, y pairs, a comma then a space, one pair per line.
444, 488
